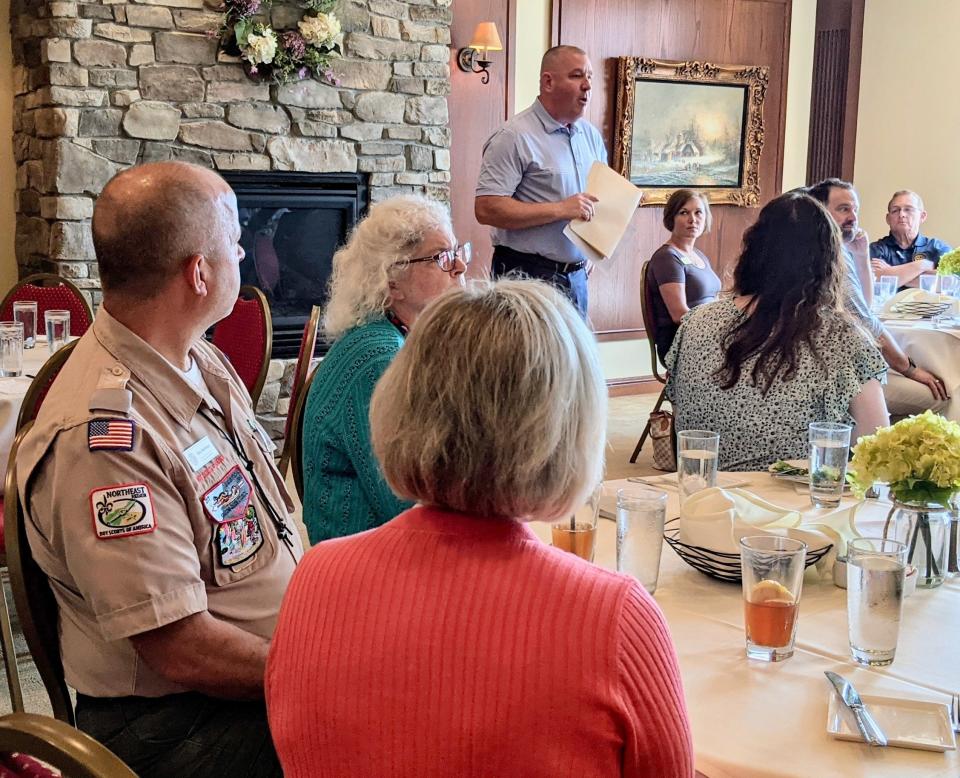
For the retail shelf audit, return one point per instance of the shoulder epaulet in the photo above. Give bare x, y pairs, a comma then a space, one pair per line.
111, 393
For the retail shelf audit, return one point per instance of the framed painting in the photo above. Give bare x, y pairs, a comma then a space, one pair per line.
690, 124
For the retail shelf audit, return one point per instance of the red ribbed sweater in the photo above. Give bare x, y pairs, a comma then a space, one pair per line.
448, 645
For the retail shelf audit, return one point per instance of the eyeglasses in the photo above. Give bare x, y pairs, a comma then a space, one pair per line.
447, 259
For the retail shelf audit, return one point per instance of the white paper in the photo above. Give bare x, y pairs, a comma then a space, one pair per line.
617, 201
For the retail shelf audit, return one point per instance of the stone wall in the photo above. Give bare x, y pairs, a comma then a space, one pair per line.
103, 85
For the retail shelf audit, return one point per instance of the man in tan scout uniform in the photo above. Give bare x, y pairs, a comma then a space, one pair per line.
152, 501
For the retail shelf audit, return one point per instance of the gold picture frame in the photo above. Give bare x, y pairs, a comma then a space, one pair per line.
690, 124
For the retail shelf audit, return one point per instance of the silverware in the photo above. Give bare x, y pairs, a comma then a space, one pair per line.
955, 712
869, 728
653, 484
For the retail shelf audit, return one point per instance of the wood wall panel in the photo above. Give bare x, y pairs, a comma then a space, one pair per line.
476, 110
739, 32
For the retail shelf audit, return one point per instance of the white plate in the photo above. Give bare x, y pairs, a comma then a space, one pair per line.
797, 479
906, 723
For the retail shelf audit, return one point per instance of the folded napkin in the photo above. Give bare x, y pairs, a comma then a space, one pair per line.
717, 518
915, 296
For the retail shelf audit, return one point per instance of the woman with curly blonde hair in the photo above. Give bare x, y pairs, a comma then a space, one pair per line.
397, 259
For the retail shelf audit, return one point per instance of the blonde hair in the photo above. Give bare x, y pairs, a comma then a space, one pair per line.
495, 406
362, 270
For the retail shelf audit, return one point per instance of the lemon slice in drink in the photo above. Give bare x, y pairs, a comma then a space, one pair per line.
769, 591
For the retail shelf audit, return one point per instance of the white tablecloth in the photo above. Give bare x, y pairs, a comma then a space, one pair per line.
12, 392
752, 719
937, 350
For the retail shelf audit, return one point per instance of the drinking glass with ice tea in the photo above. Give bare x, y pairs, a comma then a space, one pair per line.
578, 533
772, 577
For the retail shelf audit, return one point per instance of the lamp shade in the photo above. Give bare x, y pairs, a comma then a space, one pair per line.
486, 37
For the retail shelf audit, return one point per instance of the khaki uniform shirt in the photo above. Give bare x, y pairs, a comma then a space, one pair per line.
149, 499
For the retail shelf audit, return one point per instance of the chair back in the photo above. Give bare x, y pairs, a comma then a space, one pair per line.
296, 435
246, 337
69, 750
36, 604
50, 292
649, 324
304, 358
40, 386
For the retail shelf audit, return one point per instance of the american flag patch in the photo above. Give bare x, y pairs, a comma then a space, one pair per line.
110, 435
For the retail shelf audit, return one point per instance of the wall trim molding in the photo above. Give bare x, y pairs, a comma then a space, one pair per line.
620, 387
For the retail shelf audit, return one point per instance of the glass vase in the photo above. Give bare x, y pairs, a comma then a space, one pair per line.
925, 529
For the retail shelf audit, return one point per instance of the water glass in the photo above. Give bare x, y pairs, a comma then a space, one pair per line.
11, 349
876, 568
772, 578
889, 286
25, 312
950, 286
829, 446
640, 517
697, 452
578, 534
57, 324
928, 283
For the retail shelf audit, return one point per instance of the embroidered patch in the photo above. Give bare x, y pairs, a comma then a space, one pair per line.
208, 470
239, 540
227, 500
121, 510
110, 435
919, 257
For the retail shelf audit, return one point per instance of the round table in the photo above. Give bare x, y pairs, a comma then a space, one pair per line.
12, 392
937, 350
753, 719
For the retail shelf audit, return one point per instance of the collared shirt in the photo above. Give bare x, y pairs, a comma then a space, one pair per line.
922, 248
854, 300
536, 159
177, 510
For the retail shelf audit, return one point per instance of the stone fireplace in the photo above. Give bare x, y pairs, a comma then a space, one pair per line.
103, 85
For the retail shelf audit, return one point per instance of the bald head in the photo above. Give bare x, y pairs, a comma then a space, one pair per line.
555, 58
150, 218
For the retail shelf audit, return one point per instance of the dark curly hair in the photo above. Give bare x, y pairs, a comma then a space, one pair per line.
791, 265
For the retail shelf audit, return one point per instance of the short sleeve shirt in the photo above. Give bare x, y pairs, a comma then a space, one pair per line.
756, 429
147, 500
922, 248
536, 159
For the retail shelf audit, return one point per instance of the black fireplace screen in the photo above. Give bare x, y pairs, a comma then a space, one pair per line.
292, 223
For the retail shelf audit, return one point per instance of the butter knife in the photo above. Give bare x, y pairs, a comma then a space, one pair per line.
868, 727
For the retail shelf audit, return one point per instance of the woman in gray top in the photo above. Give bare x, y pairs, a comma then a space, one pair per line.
781, 353
679, 276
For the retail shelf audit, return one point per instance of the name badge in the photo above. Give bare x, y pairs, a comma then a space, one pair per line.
200, 453
685, 260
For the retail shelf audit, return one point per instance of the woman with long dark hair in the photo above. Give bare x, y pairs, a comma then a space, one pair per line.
760, 366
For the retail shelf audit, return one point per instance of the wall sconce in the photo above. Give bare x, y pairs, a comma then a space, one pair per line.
473, 59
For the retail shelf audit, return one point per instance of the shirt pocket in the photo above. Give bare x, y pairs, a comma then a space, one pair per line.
551, 182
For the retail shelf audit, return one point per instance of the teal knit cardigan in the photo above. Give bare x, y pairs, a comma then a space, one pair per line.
344, 490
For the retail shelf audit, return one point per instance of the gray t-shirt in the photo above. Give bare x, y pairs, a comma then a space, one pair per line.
701, 285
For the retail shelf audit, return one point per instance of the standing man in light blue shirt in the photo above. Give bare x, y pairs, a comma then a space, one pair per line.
533, 177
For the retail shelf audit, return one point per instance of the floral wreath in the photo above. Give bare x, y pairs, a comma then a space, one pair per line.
290, 55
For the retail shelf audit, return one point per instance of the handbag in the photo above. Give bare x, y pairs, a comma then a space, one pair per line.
664, 437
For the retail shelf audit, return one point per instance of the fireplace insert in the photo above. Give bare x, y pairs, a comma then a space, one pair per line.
291, 225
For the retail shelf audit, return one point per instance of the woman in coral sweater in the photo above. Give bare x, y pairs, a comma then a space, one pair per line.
451, 641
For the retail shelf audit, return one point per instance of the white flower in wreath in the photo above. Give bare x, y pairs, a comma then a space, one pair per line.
261, 49
319, 29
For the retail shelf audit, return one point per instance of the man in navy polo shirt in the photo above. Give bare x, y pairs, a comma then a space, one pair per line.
905, 253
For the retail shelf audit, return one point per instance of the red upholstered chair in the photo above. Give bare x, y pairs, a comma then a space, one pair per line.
307, 346
50, 292
646, 310
246, 337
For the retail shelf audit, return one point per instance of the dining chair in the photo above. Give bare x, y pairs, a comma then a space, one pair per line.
246, 337
650, 325
40, 386
61, 746
50, 292
296, 435
304, 358
33, 596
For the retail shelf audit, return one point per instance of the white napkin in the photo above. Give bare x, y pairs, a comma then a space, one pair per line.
717, 519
